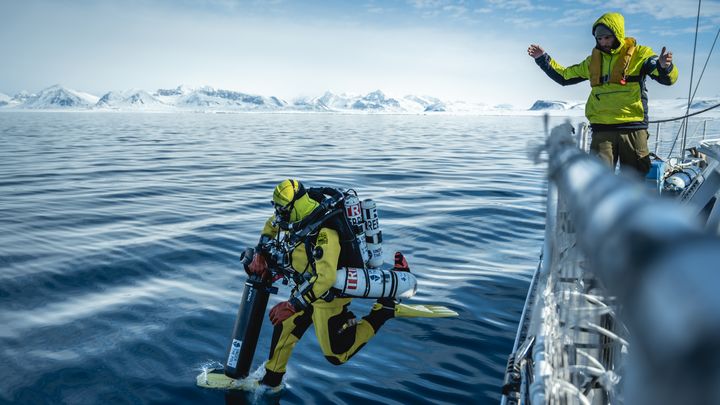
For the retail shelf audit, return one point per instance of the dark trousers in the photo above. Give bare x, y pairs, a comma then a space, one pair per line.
628, 146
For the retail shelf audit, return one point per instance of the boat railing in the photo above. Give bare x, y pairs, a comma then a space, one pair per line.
660, 264
625, 302
677, 125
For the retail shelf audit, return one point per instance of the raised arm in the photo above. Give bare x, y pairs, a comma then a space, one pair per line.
560, 74
661, 69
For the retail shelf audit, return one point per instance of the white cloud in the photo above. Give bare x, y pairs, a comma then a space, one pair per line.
424, 4
375, 10
435, 8
526, 22
576, 17
485, 10
517, 5
703, 28
455, 11
661, 9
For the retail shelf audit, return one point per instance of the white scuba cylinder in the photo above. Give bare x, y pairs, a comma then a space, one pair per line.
375, 283
373, 234
354, 215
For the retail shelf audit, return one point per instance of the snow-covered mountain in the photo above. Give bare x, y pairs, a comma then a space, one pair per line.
332, 101
21, 97
171, 96
131, 99
58, 97
424, 101
544, 105
310, 104
420, 104
180, 90
379, 102
703, 103
375, 101
208, 97
436, 107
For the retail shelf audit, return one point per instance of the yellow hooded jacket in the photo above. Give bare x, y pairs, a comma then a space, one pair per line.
618, 95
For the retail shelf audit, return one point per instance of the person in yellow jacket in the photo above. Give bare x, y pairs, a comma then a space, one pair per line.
617, 107
339, 333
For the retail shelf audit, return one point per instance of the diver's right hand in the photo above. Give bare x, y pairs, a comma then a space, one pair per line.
257, 266
535, 51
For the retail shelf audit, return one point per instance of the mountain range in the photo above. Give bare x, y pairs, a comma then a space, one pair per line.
208, 99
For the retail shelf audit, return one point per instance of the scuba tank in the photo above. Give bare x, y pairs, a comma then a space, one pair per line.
353, 213
374, 283
248, 322
373, 234
678, 181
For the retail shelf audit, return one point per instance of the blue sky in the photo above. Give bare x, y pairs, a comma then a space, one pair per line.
453, 49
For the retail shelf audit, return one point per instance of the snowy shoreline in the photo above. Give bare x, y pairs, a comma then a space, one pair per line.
575, 113
207, 100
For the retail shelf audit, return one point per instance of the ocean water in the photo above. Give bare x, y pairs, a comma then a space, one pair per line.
120, 236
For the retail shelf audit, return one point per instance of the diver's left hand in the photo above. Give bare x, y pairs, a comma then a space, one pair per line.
281, 312
665, 59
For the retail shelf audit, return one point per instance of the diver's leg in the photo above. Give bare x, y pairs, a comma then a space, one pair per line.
284, 337
340, 334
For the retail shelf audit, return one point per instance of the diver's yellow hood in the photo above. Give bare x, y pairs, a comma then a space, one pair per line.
303, 207
292, 191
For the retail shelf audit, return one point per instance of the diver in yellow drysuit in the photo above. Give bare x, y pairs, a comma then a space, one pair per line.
339, 333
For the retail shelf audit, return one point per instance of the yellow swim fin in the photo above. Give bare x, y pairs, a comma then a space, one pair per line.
423, 311
216, 379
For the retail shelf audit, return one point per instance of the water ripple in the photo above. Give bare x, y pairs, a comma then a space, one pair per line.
119, 272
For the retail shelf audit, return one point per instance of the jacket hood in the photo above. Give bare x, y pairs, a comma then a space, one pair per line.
615, 22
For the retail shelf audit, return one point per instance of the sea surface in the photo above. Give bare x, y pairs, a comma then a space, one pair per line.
120, 237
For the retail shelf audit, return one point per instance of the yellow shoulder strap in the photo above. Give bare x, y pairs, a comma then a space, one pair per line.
595, 67
619, 72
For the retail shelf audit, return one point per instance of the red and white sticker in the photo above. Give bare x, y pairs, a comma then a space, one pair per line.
352, 279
